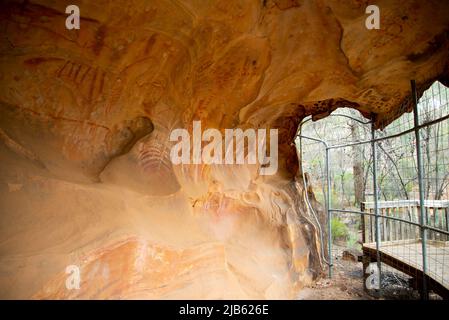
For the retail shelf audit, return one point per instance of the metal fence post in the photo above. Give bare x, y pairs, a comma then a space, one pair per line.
422, 221
376, 208
329, 215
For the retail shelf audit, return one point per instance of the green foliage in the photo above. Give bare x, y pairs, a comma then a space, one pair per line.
352, 241
339, 230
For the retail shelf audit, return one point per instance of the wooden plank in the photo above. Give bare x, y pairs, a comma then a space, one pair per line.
447, 221
397, 225
405, 203
438, 273
410, 253
387, 223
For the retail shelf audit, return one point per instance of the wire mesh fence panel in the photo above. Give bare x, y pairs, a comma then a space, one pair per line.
344, 191
433, 104
385, 202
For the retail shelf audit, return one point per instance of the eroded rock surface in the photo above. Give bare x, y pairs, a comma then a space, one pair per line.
85, 119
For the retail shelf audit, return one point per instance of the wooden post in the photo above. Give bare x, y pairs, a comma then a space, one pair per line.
447, 222
362, 209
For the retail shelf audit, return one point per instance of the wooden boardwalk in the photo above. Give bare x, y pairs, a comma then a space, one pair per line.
406, 256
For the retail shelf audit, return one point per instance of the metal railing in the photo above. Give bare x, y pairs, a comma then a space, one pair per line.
385, 222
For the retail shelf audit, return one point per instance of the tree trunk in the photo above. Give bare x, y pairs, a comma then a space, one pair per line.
357, 166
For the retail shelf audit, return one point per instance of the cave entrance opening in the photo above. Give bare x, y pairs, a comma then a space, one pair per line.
385, 194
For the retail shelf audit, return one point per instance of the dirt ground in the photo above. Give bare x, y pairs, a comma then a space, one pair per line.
347, 284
